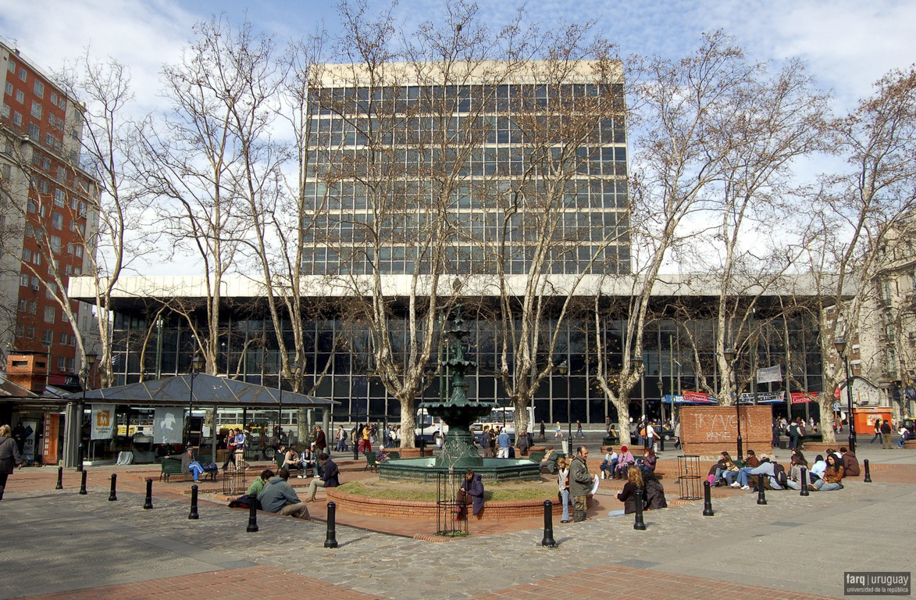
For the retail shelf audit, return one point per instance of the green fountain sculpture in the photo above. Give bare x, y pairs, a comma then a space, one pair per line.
458, 412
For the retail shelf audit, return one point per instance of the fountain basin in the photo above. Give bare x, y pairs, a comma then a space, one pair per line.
490, 469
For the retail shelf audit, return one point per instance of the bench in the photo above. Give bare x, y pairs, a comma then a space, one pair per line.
172, 466
371, 463
394, 455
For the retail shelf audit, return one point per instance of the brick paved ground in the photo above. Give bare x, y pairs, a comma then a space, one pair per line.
58, 544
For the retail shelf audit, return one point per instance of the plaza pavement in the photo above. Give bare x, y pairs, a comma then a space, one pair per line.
59, 544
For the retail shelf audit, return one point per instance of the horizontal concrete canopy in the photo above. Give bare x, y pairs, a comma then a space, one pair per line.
208, 391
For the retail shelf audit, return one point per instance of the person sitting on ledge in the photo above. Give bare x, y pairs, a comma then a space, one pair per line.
647, 462
609, 463
329, 477
850, 463
624, 463
725, 469
278, 496
833, 476
471, 490
765, 467
291, 460
380, 455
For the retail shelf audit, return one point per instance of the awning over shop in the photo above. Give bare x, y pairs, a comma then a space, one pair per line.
209, 391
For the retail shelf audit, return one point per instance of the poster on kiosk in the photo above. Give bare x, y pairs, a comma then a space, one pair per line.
102, 421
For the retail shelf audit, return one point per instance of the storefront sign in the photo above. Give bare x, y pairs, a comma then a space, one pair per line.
103, 418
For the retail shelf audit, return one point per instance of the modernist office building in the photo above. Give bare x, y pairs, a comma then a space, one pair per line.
498, 151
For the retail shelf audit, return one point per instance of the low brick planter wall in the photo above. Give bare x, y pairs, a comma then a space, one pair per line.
405, 509
813, 448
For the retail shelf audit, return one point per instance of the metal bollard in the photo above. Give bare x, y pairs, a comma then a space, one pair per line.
548, 525
761, 493
83, 491
193, 514
60, 479
252, 518
148, 504
804, 482
707, 500
330, 540
867, 472
639, 524
113, 495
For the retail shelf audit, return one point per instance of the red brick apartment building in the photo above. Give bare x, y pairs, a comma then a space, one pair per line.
48, 215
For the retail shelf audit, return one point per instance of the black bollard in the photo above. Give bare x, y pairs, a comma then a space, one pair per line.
330, 540
804, 482
83, 491
867, 472
761, 493
193, 514
252, 518
60, 479
707, 500
548, 525
148, 504
113, 495
639, 524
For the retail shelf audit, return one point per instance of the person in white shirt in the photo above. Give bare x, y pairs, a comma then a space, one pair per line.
609, 463
650, 434
819, 466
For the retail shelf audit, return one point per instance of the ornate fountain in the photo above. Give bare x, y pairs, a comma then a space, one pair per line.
458, 412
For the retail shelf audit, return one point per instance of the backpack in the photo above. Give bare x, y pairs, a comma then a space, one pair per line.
779, 473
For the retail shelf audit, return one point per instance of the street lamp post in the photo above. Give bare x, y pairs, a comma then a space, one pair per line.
89, 361
730, 357
840, 345
196, 363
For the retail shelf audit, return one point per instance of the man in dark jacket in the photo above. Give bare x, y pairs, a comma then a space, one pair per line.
471, 489
580, 483
329, 477
278, 496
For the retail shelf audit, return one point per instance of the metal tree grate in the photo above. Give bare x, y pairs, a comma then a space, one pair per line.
234, 482
689, 478
451, 520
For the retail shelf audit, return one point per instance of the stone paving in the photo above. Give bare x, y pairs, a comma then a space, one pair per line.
59, 544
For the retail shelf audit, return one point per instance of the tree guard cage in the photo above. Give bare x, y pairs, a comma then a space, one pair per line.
689, 479
451, 516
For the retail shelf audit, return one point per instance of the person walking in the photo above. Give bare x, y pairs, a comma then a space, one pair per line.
502, 444
558, 432
543, 431
580, 483
579, 432
9, 457
877, 431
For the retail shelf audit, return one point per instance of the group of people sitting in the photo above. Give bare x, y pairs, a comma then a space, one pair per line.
292, 460
826, 474
617, 466
272, 492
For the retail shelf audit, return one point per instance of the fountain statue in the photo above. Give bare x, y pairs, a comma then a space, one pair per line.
459, 413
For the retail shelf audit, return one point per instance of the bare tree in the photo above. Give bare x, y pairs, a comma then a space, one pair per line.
855, 215
391, 168
205, 156
675, 106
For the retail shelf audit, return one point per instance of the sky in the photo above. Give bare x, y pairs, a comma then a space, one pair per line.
846, 45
